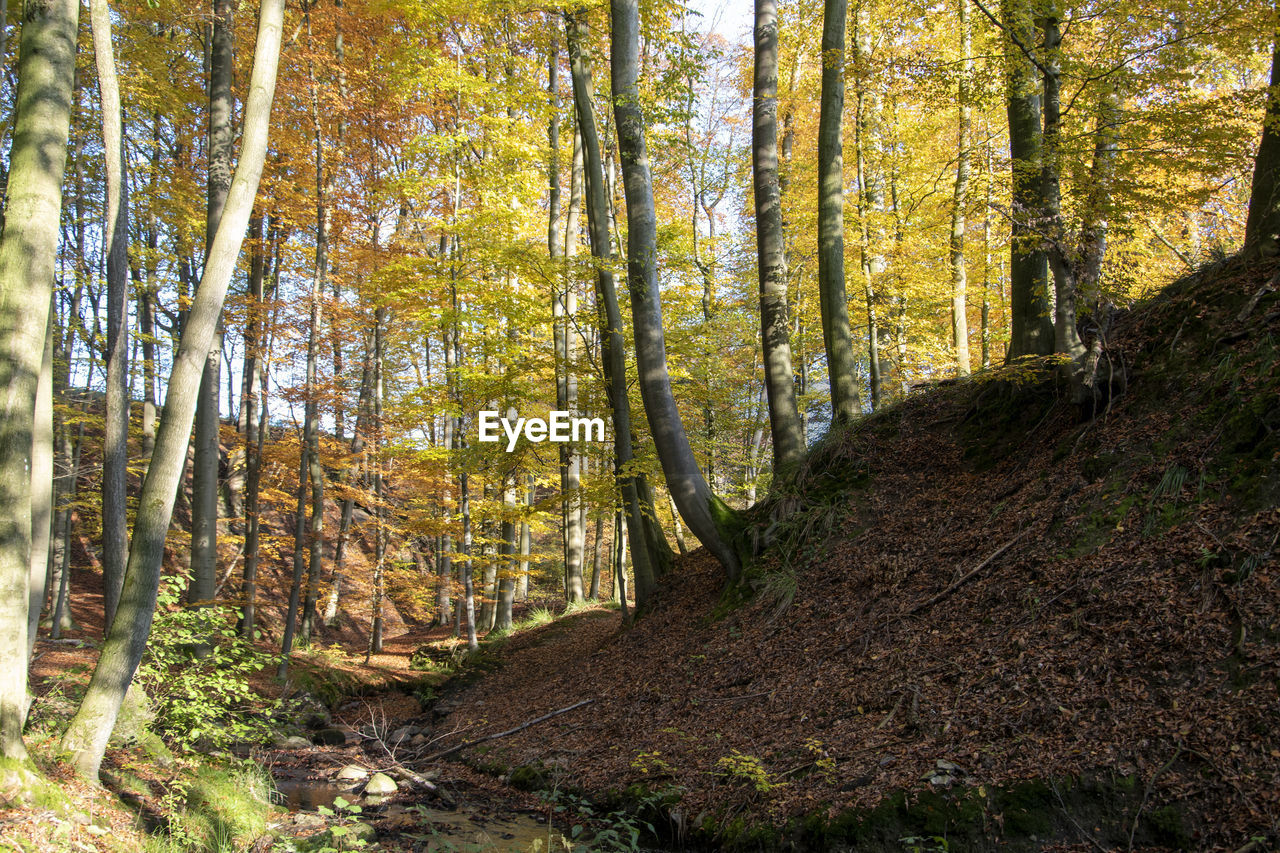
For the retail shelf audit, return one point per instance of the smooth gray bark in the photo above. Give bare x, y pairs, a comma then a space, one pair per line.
833, 300
707, 516
86, 738
41, 491
115, 450
28, 253
612, 346
775, 332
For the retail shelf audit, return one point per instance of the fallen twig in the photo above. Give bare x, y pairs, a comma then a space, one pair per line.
967, 575
470, 743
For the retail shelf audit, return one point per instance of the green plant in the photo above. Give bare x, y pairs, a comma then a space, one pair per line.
200, 701
342, 829
740, 768
925, 844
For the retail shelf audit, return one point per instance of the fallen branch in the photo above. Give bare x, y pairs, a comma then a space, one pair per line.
470, 743
968, 575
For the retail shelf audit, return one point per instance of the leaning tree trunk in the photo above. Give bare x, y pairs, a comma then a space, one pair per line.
833, 299
86, 738
612, 352
28, 258
784, 417
115, 449
1262, 228
710, 519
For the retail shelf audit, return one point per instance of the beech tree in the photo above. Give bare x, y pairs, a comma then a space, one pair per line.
86, 737
28, 253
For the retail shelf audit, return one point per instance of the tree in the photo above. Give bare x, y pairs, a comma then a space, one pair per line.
775, 332
28, 252
710, 519
1032, 332
86, 737
836, 335
1262, 228
960, 198
115, 450
612, 355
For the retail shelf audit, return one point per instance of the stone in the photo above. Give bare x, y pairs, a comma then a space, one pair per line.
380, 784
329, 737
418, 740
135, 718
402, 734
295, 742
352, 773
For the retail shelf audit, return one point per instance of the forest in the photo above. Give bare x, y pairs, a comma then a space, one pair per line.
639, 426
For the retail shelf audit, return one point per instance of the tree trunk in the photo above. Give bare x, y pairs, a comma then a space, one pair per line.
115, 449
837, 338
612, 353
960, 198
28, 254
41, 489
710, 519
784, 417
870, 196
86, 738
1032, 332
1262, 227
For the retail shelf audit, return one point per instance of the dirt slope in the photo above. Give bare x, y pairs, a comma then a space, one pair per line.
968, 592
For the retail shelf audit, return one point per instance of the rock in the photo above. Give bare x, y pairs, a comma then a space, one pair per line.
380, 784
352, 773
418, 740
295, 742
136, 715
329, 737
402, 734
308, 711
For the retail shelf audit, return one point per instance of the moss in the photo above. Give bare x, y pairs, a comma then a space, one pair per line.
530, 777
1167, 827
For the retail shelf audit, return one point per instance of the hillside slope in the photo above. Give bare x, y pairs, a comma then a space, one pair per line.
982, 620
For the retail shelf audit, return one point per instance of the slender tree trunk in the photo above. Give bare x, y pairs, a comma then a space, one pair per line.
379, 483
960, 198
612, 351
507, 550
526, 542
115, 450
28, 255
710, 519
1066, 338
870, 196
86, 738
595, 558
204, 472
311, 412
41, 489
784, 417
833, 300
253, 413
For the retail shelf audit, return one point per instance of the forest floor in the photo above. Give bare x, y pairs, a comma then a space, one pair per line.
981, 622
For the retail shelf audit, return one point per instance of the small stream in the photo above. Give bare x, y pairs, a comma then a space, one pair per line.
464, 828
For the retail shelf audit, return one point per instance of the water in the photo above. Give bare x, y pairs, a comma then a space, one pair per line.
459, 830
